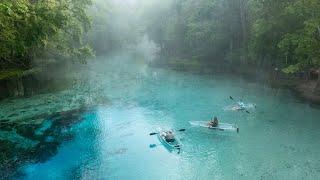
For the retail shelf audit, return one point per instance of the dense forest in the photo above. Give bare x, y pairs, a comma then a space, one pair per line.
42, 29
159, 89
55, 30
281, 35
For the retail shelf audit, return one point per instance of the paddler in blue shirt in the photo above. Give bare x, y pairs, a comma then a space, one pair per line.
241, 104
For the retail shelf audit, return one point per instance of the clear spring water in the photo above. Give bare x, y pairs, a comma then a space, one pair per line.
280, 139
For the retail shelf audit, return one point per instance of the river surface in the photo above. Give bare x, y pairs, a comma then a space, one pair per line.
279, 139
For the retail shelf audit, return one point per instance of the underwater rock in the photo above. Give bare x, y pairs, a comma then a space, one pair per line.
20, 141
33, 120
68, 121
68, 118
13, 115
45, 151
36, 138
45, 126
8, 158
4, 121
27, 130
49, 139
67, 137
6, 125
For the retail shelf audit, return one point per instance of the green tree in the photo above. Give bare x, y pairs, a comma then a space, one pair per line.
302, 45
42, 29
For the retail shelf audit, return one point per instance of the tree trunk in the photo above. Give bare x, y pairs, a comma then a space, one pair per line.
231, 45
243, 18
317, 88
15, 87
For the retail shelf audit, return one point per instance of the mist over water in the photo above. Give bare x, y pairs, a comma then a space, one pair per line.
97, 125
112, 140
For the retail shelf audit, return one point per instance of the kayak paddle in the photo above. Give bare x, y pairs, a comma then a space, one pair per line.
152, 145
153, 133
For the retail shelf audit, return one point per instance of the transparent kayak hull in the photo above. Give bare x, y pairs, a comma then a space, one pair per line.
240, 106
221, 126
170, 146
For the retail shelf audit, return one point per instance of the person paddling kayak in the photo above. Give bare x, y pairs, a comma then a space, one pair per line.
168, 136
214, 122
241, 104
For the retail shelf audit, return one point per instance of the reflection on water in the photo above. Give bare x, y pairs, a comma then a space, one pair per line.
100, 128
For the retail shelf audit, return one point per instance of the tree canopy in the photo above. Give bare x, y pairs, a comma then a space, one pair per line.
285, 34
42, 29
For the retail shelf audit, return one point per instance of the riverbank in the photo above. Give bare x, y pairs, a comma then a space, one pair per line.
43, 78
13, 82
304, 89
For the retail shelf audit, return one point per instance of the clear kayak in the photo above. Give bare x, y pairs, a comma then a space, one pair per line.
240, 106
246, 105
170, 146
221, 126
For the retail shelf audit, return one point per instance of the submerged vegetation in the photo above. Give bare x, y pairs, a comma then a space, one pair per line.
36, 141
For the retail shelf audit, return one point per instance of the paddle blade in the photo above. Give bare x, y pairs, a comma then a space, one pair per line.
152, 145
151, 134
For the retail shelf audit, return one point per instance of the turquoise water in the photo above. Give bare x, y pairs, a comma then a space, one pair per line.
280, 139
